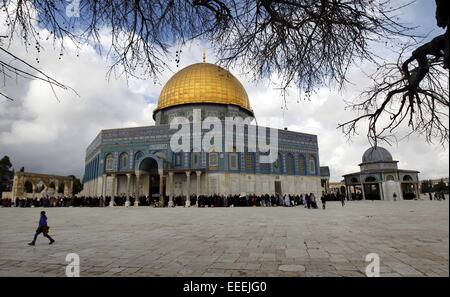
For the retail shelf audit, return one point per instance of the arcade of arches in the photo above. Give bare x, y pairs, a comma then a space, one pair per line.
37, 185
149, 179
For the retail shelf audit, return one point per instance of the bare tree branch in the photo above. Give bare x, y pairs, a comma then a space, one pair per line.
27, 71
418, 97
307, 43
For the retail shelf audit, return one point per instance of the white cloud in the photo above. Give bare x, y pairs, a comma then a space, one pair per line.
45, 135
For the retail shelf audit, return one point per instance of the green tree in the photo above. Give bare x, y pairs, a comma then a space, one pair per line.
426, 186
440, 187
77, 185
6, 175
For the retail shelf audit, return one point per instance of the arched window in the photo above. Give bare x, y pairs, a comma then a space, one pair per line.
312, 165
177, 159
51, 186
370, 179
61, 188
390, 177
354, 180
233, 162
250, 162
109, 162
277, 165
407, 178
213, 160
123, 162
290, 164
28, 186
196, 159
301, 165
137, 156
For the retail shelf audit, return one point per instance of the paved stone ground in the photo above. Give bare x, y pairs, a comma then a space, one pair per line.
411, 237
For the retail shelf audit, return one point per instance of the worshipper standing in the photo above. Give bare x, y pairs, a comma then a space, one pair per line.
324, 201
262, 201
303, 200
42, 228
280, 200
313, 200
343, 199
267, 199
308, 201
287, 201
395, 196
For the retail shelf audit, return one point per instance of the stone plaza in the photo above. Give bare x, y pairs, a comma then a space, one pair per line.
411, 238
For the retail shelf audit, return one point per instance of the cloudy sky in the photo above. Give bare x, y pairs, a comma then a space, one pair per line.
44, 135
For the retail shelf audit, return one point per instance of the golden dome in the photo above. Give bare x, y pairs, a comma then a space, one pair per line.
203, 83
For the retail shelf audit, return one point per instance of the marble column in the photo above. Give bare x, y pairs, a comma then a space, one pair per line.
363, 193
66, 189
170, 189
127, 203
188, 189
137, 190
416, 188
104, 178
95, 186
381, 194
56, 183
34, 190
161, 186
198, 173
113, 191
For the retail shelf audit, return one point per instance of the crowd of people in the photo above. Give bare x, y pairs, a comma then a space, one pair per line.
286, 200
437, 196
253, 200
332, 197
64, 201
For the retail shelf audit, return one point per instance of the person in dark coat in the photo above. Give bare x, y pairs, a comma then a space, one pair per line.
308, 201
324, 200
343, 200
42, 228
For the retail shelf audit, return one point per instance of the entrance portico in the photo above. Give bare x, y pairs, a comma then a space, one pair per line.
183, 183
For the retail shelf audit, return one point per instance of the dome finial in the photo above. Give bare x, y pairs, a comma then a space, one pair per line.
204, 55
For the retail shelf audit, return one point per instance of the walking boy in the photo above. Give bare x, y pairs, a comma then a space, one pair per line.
43, 228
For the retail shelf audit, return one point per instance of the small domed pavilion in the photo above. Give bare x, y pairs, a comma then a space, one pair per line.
380, 179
